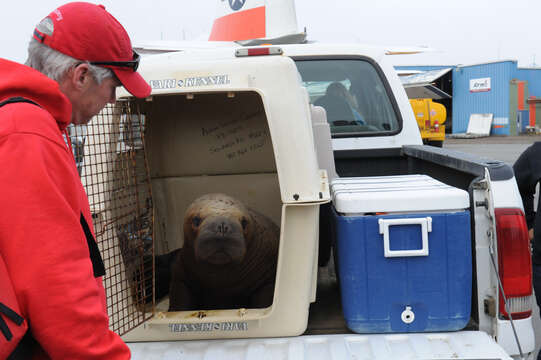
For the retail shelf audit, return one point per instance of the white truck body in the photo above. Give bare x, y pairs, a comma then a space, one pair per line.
287, 108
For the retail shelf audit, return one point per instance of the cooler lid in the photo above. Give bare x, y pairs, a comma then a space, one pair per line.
401, 193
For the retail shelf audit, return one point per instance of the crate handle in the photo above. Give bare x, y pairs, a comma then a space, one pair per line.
426, 227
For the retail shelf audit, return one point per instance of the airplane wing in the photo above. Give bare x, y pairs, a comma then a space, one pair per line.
298, 38
407, 50
163, 46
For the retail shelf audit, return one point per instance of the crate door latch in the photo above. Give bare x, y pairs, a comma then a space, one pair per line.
426, 227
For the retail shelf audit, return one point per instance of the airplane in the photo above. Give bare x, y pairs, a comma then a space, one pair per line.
257, 22
252, 23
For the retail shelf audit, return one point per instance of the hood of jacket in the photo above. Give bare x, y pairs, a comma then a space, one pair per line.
20, 80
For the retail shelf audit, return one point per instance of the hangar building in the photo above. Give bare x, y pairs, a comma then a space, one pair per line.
510, 95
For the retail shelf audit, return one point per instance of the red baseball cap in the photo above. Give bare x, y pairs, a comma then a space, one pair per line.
88, 32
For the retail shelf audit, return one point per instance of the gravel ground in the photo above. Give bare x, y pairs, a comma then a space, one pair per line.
520, 139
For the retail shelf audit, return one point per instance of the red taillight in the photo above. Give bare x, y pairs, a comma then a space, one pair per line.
514, 262
258, 51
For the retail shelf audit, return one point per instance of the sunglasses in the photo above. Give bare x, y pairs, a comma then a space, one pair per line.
133, 64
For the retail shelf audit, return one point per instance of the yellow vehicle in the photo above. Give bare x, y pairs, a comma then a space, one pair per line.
430, 119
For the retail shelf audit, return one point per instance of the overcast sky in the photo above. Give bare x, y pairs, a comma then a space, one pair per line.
462, 31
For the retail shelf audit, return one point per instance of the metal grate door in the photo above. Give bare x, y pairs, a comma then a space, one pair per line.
111, 157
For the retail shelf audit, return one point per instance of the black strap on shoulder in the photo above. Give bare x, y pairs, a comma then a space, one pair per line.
95, 256
13, 316
17, 99
23, 350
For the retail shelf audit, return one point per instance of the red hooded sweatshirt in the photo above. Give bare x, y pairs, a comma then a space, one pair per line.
42, 240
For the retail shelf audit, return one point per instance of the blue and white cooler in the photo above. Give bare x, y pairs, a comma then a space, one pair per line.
403, 253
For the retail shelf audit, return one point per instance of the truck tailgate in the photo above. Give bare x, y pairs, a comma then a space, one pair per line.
455, 345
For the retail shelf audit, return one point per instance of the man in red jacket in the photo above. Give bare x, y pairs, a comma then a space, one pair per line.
49, 260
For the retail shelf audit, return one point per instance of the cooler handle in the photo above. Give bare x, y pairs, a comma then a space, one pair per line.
426, 227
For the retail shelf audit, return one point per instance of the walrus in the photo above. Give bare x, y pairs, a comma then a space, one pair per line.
228, 259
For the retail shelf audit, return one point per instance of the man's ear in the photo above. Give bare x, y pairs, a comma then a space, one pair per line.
80, 76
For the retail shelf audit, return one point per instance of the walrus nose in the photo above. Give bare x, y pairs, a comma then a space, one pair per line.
223, 228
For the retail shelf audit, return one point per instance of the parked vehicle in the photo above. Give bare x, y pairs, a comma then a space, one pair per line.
431, 118
426, 241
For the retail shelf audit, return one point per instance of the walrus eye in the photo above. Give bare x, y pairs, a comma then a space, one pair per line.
196, 221
244, 223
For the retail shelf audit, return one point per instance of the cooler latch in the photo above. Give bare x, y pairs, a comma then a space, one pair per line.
426, 227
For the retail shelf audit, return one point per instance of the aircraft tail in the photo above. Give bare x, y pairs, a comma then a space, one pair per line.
254, 19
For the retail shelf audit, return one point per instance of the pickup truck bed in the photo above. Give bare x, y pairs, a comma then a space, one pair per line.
327, 337
326, 313
458, 345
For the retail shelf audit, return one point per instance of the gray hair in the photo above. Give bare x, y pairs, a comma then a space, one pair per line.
53, 63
